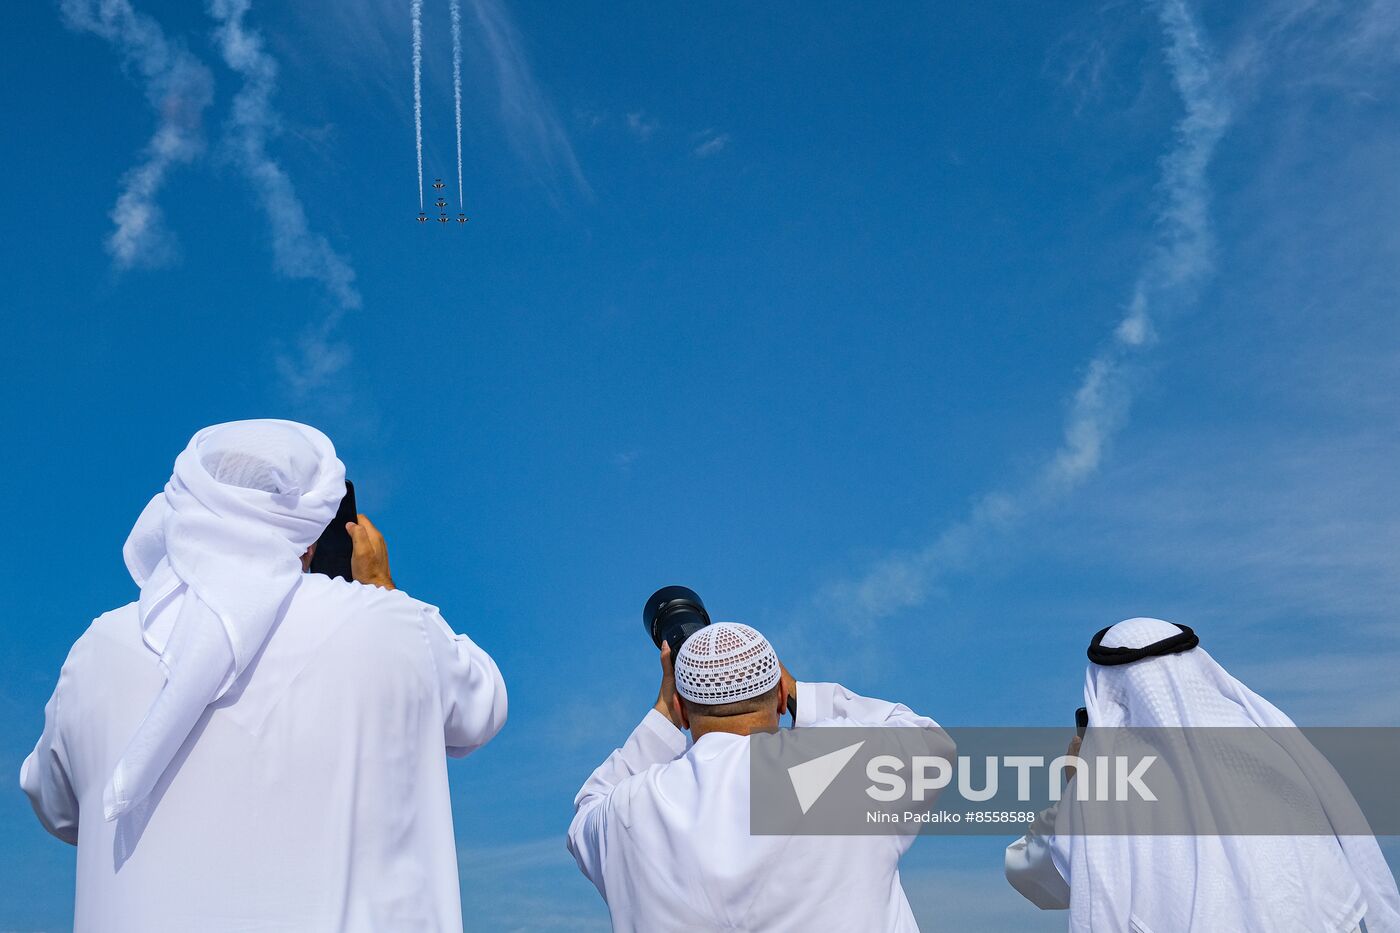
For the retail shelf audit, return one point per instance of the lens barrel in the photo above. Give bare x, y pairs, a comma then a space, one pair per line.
672, 614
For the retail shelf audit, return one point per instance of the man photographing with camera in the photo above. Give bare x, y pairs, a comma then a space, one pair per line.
250, 746
662, 827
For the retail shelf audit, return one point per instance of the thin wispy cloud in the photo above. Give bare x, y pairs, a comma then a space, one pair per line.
1179, 263
712, 144
1324, 42
297, 251
532, 126
589, 118
641, 125
645, 127
528, 886
179, 88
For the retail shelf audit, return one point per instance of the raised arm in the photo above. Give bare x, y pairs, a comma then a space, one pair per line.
829, 704
817, 702
656, 740
470, 685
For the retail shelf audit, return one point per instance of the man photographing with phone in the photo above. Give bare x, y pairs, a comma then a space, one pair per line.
250, 745
351, 547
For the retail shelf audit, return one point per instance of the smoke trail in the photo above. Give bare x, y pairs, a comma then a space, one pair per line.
297, 252
457, 91
179, 88
1179, 262
416, 12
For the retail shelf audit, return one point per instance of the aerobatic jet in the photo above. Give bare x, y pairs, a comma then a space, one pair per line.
438, 184
422, 217
442, 219
461, 218
441, 202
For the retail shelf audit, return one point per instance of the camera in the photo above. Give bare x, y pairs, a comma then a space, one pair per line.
672, 614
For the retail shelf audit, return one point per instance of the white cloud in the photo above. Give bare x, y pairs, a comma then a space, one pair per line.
590, 118
1167, 282
298, 252
641, 125
1331, 688
179, 89
713, 143
532, 886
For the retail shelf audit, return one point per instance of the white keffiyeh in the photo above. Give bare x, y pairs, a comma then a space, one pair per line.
217, 556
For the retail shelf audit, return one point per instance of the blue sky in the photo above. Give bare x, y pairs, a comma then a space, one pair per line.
826, 312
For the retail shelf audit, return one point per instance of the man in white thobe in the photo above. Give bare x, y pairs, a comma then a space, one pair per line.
251, 747
1147, 674
662, 827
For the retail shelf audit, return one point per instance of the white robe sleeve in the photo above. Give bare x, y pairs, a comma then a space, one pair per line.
654, 741
823, 702
46, 776
470, 685
1031, 868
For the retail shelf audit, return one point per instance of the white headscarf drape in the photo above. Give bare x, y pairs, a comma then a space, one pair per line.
217, 555
1246, 883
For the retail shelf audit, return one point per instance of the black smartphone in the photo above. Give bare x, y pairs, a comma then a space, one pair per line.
334, 548
1081, 721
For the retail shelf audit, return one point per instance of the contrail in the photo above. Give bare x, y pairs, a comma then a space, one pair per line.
416, 11
457, 91
1180, 260
297, 251
179, 88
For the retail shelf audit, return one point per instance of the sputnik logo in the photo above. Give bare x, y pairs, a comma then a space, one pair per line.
811, 778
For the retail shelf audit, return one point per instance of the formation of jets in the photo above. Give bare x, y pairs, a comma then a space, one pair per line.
441, 205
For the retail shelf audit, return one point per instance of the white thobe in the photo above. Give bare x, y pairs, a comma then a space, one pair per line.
1037, 865
662, 831
313, 797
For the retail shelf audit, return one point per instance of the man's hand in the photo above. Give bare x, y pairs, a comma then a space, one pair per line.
369, 561
1073, 752
665, 697
790, 682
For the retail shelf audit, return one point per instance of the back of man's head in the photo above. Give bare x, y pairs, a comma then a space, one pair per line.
244, 501
728, 679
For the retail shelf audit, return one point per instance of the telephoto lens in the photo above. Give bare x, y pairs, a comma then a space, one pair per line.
672, 614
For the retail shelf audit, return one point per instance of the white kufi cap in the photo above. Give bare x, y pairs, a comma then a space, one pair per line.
725, 663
